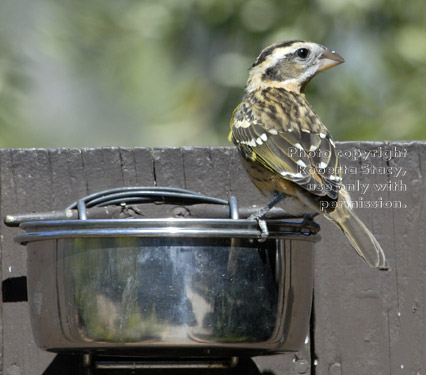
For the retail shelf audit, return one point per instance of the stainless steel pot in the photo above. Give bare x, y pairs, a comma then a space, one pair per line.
169, 286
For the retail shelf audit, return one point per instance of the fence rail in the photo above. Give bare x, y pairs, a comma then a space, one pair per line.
363, 322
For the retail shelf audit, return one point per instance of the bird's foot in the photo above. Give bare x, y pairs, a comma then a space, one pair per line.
258, 215
264, 210
264, 229
308, 219
262, 223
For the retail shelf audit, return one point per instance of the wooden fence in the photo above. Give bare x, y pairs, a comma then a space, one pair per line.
364, 321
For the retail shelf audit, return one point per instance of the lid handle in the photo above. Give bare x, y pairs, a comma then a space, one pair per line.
138, 195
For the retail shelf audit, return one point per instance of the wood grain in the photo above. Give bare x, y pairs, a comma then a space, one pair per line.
364, 322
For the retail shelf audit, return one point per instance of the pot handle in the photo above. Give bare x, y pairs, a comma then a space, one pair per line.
153, 194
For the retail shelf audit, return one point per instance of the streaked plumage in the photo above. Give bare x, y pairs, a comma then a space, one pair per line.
285, 147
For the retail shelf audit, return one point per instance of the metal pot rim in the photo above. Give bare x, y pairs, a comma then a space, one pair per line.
166, 228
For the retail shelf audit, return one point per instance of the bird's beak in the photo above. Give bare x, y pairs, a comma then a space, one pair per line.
329, 59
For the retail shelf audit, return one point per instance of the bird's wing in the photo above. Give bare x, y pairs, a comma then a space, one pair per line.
293, 144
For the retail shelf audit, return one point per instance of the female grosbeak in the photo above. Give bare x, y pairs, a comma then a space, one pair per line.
286, 149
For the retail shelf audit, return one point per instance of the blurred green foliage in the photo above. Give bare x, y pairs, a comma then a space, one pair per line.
169, 73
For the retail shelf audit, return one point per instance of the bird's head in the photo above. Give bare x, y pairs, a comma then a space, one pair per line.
290, 65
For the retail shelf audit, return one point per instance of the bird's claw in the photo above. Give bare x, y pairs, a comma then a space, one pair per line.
309, 218
264, 229
262, 225
258, 214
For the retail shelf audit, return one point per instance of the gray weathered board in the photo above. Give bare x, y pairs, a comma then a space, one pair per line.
364, 321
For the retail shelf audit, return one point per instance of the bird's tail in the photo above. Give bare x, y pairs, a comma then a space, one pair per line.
357, 233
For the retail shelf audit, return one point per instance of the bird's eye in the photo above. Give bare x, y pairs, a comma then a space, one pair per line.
303, 53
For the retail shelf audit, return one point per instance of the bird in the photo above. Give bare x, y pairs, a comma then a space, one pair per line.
287, 151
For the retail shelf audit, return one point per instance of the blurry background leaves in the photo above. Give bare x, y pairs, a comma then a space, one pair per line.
169, 73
